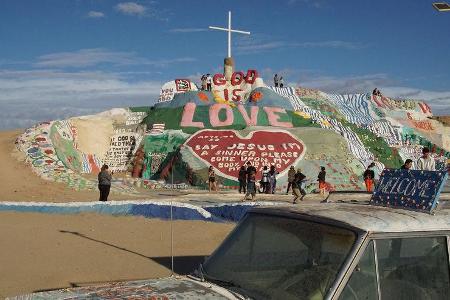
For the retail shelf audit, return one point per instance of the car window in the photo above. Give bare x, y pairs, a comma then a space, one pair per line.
413, 268
281, 258
363, 281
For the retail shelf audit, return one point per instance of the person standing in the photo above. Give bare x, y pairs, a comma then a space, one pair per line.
251, 185
212, 179
272, 179
281, 82
321, 179
275, 80
291, 176
426, 162
104, 182
203, 79
250, 168
369, 175
242, 179
298, 188
265, 180
407, 165
208, 82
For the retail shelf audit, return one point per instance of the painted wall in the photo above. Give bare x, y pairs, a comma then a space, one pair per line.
239, 120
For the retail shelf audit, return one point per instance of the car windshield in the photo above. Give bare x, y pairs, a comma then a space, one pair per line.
271, 257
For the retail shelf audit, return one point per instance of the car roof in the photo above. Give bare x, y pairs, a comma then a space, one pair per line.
366, 217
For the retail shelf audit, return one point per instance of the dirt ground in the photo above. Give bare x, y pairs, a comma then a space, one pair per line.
19, 183
47, 251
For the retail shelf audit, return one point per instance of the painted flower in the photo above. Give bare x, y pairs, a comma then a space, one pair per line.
325, 123
203, 97
219, 99
257, 96
303, 114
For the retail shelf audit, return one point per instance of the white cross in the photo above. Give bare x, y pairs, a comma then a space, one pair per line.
229, 32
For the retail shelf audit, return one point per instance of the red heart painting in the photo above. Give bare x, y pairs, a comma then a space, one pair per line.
227, 151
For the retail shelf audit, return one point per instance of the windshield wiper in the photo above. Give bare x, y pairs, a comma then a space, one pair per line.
221, 282
201, 274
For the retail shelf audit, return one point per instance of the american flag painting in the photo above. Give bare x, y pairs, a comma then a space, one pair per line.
157, 128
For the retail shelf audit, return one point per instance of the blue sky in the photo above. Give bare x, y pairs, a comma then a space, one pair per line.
62, 58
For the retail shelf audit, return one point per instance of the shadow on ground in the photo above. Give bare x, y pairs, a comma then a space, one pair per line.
182, 264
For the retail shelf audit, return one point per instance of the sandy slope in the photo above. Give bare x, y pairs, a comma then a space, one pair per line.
45, 251
19, 183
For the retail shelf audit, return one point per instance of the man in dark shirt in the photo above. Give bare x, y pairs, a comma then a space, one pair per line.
298, 186
242, 179
250, 168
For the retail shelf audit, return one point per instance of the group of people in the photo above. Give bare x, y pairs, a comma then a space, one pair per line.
247, 180
278, 81
269, 180
268, 183
376, 92
206, 82
425, 162
297, 180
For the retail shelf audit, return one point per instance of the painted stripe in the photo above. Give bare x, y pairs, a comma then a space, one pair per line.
147, 208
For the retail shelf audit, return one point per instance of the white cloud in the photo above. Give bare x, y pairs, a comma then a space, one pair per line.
91, 57
349, 84
95, 14
131, 8
53, 85
313, 3
84, 58
31, 96
438, 100
329, 44
261, 43
28, 97
187, 30
255, 48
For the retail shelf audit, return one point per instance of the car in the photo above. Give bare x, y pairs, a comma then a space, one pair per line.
312, 251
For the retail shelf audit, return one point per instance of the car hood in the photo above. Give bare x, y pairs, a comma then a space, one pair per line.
160, 289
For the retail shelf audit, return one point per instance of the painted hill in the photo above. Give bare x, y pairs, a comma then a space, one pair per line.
241, 119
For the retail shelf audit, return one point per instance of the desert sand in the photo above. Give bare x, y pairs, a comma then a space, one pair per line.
48, 251
19, 183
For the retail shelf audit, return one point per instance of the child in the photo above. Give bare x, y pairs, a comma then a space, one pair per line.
212, 180
321, 180
369, 176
